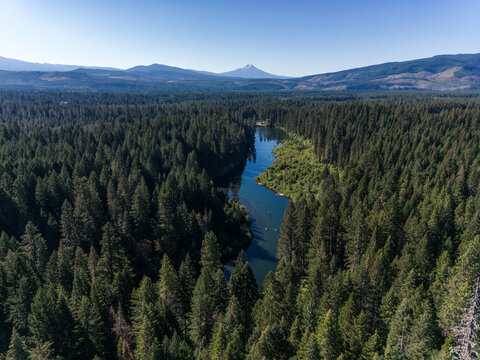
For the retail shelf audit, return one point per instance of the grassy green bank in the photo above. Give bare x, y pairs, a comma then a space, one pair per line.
296, 169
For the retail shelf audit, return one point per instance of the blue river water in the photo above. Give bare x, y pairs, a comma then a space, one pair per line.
264, 206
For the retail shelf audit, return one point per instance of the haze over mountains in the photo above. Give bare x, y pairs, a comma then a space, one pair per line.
443, 72
19, 65
249, 71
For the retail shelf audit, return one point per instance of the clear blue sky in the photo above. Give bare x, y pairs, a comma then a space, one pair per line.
284, 37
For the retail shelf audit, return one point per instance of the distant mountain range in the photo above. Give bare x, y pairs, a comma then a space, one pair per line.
19, 65
248, 72
443, 72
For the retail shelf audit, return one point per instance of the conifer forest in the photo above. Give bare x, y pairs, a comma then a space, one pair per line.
114, 232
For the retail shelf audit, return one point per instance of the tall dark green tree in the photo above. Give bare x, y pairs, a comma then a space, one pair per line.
243, 287
202, 311
140, 211
210, 252
184, 291
287, 241
146, 321
34, 248
17, 350
88, 330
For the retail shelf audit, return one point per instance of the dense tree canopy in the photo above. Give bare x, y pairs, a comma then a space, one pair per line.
113, 235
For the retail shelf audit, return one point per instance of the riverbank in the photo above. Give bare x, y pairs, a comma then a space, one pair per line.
266, 187
295, 169
264, 207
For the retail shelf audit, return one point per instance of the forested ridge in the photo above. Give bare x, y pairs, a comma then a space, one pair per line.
113, 235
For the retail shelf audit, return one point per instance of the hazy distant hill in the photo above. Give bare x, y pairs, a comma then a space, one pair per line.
165, 72
19, 65
444, 72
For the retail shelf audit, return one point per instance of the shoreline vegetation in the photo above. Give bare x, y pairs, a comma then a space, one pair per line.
295, 170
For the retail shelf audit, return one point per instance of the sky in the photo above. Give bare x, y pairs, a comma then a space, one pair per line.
291, 38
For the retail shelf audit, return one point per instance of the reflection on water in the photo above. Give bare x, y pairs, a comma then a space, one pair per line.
264, 207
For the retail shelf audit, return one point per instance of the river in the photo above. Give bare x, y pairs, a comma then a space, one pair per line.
264, 207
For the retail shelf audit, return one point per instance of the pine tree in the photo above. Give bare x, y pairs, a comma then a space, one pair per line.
356, 236
311, 291
87, 211
467, 332
233, 317
122, 286
203, 308
399, 330
328, 222
88, 329
81, 277
65, 339
235, 347
210, 252
17, 349
41, 351
372, 348
65, 258
145, 340
329, 337
177, 349
353, 328
308, 348
93, 263
235, 334
140, 211
41, 320
243, 287
145, 320
358, 335
346, 317
272, 344
19, 300
219, 345
220, 294
167, 282
287, 242
7, 243
266, 309
165, 231
34, 248
296, 332
302, 235
184, 290
459, 285
112, 258
425, 334
70, 233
